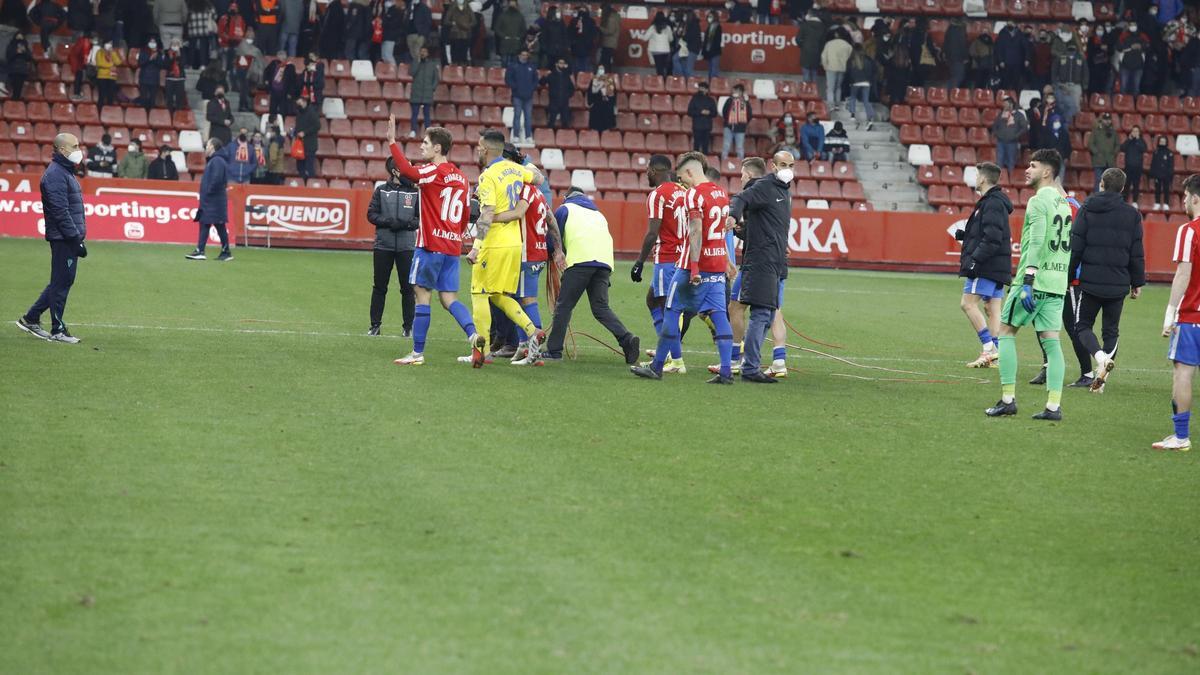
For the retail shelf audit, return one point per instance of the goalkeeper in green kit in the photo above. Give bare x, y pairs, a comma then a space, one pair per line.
1038, 300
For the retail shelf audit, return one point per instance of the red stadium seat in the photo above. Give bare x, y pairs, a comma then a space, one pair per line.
563, 138
1128, 121
44, 132
1099, 103
332, 168
938, 195
984, 98
605, 180
475, 76
657, 144
619, 161
915, 96
808, 189
8, 152
853, 191
956, 135
1122, 103
394, 90
942, 154
327, 147
933, 135
965, 156
630, 182
608, 140
15, 110
1154, 125
347, 148
453, 75
62, 113
961, 195
630, 82
979, 136
347, 89
830, 189
653, 84
356, 169
951, 175
136, 117
946, 116
960, 98
936, 96
363, 129
928, 175
923, 114
969, 117
640, 103
901, 114
635, 141
820, 169
341, 128
1146, 104
676, 85
1170, 105
719, 86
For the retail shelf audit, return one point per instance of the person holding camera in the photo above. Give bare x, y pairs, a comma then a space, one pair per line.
394, 211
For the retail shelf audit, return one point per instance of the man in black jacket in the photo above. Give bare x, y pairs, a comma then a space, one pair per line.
561, 85
395, 213
986, 261
702, 109
1109, 261
764, 210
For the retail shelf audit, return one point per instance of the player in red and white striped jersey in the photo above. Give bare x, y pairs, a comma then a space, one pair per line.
1181, 322
666, 221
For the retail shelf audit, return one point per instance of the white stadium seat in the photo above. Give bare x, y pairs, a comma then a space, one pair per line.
920, 155
764, 90
507, 116
1083, 10
1187, 145
191, 141
817, 204
180, 161
362, 71
552, 159
333, 109
721, 102
975, 8
1027, 96
637, 12
867, 7
970, 176
584, 179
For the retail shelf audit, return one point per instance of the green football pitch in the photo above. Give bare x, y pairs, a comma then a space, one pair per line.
228, 476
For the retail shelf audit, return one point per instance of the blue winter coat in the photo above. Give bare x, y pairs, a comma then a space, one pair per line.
62, 201
214, 204
150, 67
522, 79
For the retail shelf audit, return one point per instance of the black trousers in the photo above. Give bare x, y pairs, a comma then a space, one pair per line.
1069, 319
662, 64
1133, 183
176, 95
16, 83
1162, 191
560, 113
1110, 328
575, 281
64, 262
385, 261
107, 93
147, 95
222, 234
702, 141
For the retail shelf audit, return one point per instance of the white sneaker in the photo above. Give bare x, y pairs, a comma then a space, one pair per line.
413, 359
412, 134
986, 358
778, 369
65, 338
1104, 366
531, 359
674, 366
1157, 206
1173, 443
734, 368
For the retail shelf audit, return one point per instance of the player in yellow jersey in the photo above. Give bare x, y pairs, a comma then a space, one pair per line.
496, 254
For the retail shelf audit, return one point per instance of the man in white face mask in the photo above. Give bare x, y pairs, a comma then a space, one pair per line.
760, 216
62, 204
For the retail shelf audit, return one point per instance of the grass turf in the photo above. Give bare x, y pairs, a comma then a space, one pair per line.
226, 476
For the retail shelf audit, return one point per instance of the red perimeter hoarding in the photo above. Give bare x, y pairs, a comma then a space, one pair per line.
157, 211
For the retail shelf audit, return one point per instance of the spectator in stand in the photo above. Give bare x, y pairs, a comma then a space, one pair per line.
1135, 150
533, 44
582, 35
102, 158
1099, 60
311, 81
170, 17
954, 51
833, 59
231, 30
928, 54
522, 78
48, 16
510, 33
736, 114
741, 12
610, 34
247, 72
280, 78
332, 43
1009, 127
711, 49
291, 20
1162, 170
786, 135
419, 26
861, 72
395, 212
134, 163
1069, 75
1103, 146
151, 61
81, 17
658, 44
811, 40
375, 10
855, 34
897, 68
426, 75
1012, 56
560, 84
691, 43
107, 60
241, 159
214, 202
393, 30
460, 22
308, 125
135, 17
20, 63
553, 37
260, 148
219, 115
163, 167
837, 144
1132, 63
983, 62
1039, 62
1188, 60
267, 24
200, 29
276, 156
1034, 117
702, 109
812, 139
1059, 138
602, 102
176, 85
77, 59
358, 30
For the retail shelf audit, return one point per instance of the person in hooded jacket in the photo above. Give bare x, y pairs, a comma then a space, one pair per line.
1108, 259
214, 202
553, 37
986, 261
133, 164
1162, 170
395, 212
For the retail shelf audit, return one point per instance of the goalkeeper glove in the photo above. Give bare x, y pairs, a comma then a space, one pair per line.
1027, 300
635, 272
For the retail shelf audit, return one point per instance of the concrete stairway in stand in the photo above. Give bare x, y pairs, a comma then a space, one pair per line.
881, 162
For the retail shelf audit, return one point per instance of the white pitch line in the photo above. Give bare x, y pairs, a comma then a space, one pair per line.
587, 347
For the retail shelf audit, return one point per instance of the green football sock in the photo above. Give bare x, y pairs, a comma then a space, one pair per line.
1056, 370
1008, 366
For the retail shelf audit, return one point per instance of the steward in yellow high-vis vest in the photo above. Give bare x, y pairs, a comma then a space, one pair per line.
589, 250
